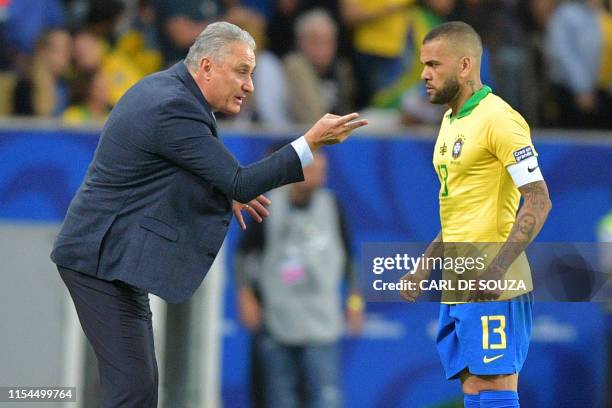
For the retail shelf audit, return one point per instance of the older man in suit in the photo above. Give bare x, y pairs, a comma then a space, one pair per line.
157, 201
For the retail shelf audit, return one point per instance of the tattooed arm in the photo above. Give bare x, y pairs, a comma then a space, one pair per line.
529, 222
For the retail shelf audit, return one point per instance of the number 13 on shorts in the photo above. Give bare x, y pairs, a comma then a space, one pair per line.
496, 325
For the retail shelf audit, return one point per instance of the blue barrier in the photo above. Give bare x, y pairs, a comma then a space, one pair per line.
389, 191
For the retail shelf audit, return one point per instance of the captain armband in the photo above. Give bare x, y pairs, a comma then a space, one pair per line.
525, 171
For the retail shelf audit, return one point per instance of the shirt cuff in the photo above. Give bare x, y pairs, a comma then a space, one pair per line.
303, 151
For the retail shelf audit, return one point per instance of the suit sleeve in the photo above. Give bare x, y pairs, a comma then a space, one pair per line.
185, 138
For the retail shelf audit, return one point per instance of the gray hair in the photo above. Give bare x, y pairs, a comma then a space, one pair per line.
308, 21
213, 43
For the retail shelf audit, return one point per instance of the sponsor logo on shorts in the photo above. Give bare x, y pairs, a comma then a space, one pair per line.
487, 360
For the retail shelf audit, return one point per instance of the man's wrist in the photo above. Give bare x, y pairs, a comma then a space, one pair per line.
311, 144
303, 150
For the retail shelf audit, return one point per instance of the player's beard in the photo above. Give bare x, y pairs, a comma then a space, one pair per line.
447, 93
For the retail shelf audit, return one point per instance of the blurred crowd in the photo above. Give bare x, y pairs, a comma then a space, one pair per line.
73, 59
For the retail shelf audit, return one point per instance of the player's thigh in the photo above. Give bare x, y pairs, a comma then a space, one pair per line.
473, 384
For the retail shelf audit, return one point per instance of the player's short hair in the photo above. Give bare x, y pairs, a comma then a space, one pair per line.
458, 32
307, 21
214, 40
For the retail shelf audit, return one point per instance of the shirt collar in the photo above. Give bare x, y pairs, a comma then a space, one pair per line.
471, 103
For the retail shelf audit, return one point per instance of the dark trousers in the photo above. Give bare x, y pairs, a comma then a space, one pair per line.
116, 319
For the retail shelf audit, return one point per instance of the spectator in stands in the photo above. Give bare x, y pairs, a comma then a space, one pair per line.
536, 14
318, 80
42, 90
87, 51
90, 102
124, 59
503, 27
407, 93
281, 24
5, 49
103, 17
119, 65
27, 20
379, 28
140, 41
271, 107
7, 76
180, 21
579, 46
289, 274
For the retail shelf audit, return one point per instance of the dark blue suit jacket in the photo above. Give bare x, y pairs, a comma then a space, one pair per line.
155, 205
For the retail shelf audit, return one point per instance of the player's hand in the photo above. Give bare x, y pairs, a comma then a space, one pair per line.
257, 209
415, 278
332, 129
493, 273
249, 310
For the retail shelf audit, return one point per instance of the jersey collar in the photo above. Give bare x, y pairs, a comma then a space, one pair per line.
471, 103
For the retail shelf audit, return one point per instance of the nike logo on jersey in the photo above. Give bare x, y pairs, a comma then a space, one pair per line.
487, 360
531, 170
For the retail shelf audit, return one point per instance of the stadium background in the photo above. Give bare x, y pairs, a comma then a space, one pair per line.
394, 363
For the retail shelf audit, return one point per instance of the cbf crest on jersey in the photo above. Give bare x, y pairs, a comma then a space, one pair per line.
458, 146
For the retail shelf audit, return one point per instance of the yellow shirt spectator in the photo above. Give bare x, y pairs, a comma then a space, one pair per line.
384, 32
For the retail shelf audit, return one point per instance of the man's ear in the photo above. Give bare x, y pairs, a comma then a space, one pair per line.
465, 66
205, 68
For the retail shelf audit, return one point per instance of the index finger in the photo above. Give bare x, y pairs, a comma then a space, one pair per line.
356, 124
346, 118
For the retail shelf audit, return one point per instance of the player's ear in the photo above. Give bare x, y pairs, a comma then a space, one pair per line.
465, 66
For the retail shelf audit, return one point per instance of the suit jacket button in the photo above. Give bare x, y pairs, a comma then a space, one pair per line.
225, 222
212, 254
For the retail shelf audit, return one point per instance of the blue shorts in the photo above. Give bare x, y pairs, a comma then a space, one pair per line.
487, 338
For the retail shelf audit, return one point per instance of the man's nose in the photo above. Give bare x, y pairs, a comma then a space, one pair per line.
425, 74
248, 85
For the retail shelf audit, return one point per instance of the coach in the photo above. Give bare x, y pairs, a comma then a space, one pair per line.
157, 201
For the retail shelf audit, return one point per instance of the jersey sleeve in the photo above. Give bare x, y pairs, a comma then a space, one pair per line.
509, 138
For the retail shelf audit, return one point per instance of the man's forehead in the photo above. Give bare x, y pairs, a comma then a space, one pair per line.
246, 64
434, 49
242, 54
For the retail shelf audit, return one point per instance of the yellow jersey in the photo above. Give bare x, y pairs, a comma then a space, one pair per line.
478, 198
384, 36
